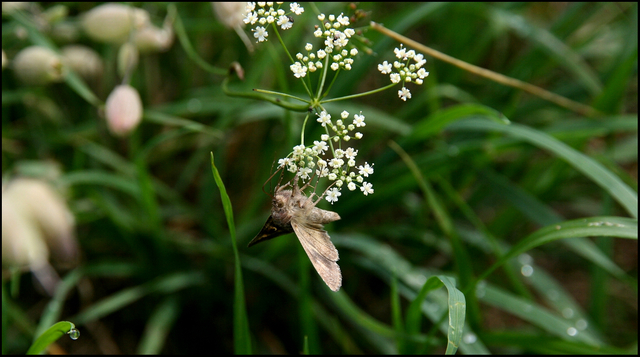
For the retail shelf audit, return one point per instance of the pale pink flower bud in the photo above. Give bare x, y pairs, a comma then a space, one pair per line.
123, 110
38, 65
112, 23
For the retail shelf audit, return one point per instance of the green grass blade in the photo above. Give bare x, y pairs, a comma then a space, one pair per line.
51, 335
588, 166
165, 284
158, 327
536, 315
457, 311
241, 336
584, 227
396, 316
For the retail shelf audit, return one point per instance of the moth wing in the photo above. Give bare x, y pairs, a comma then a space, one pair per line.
270, 230
322, 253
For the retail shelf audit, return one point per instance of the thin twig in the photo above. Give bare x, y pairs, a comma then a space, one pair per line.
497, 77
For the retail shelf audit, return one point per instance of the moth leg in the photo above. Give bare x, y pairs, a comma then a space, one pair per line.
322, 195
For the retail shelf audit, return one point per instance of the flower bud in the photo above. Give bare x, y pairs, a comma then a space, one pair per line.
35, 221
85, 61
230, 14
153, 39
112, 23
38, 65
123, 110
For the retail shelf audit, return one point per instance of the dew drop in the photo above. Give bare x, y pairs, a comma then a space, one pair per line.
581, 324
480, 289
73, 334
194, 105
469, 338
571, 331
525, 259
526, 270
567, 313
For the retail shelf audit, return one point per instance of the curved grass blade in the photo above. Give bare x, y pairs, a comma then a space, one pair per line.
158, 327
165, 284
581, 162
241, 337
51, 335
584, 227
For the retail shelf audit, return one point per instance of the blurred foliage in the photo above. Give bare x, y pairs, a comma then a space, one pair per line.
456, 189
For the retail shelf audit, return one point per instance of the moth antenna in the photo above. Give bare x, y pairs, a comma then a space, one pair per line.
270, 178
322, 195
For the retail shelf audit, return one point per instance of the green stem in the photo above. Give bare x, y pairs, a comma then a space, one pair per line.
359, 94
286, 105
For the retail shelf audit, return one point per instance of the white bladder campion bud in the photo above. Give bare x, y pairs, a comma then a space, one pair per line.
38, 65
83, 60
123, 110
112, 23
35, 223
153, 39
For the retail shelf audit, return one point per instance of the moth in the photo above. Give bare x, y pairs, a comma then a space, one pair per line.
293, 211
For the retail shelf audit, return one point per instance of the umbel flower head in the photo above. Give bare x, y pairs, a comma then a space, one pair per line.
264, 14
405, 71
323, 159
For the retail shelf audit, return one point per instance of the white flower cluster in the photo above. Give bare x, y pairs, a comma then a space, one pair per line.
402, 71
304, 159
335, 47
267, 14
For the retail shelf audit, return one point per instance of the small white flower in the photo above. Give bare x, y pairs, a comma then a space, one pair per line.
339, 153
295, 8
395, 78
365, 170
346, 138
366, 188
320, 146
332, 195
350, 153
332, 176
351, 186
358, 135
336, 163
344, 114
404, 94
385, 67
298, 150
351, 163
358, 120
321, 54
298, 70
283, 162
304, 173
422, 73
308, 47
321, 17
324, 118
335, 66
284, 22
324, 137
343, 20
251, 18
260, 33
